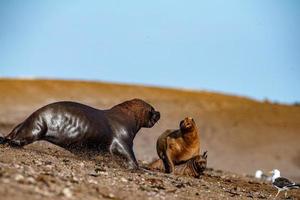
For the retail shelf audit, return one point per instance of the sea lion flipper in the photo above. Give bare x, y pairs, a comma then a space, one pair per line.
2, 140
168, 162
157, 165
121, 149
133, 164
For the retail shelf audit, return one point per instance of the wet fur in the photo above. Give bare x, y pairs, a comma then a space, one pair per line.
177, 146
74, 125
194, 167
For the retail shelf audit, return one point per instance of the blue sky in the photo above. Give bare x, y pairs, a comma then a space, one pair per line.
249, 48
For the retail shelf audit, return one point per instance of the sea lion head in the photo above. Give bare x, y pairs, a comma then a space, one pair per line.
144, 113
187, 125
200, 162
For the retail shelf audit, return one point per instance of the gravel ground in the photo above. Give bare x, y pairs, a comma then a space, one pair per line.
45, 171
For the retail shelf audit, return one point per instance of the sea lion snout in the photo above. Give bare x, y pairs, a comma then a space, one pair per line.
201, 162
144, 112
187, 124
154, 117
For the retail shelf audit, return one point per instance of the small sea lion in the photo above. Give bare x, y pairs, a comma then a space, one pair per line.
70, 124
177, 146
193, 167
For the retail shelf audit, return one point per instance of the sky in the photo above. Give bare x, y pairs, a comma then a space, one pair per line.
248, 48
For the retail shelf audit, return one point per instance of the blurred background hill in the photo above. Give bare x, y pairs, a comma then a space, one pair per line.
240, 134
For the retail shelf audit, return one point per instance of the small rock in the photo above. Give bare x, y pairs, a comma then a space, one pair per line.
67, 192
143, 162
75, 179
81, 164
31, 180
236, 188
29, 170
42, 192
98, 173
66, 161
37, 162
180, 185
92, 181
19, 177
16, 166
48, 163
124, 180
262, 196
98, 169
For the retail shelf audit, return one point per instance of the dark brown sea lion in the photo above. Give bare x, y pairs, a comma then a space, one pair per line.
177, 146
193, 167
71, 124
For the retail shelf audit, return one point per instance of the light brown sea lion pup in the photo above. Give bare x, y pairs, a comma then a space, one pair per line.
177, 146
193, 167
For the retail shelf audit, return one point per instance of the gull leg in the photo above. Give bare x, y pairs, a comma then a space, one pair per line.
277, 194
285, 194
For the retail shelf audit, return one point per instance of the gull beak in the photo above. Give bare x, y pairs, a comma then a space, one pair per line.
271, 172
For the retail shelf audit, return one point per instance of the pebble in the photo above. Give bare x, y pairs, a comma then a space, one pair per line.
31, 180
16, 166
103, 173
124, 180
29, 170
81, 164
67, 192
111, 195
92, 181
75, 179
19, 178
48, 163
42, 192
95, 174
37, 162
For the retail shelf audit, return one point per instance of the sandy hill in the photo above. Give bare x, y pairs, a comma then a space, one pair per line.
240, 134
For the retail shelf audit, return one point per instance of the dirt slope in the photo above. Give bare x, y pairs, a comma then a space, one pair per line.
241, 135
37, 172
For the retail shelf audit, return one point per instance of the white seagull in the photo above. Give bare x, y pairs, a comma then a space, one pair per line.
260, 175
281, 183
